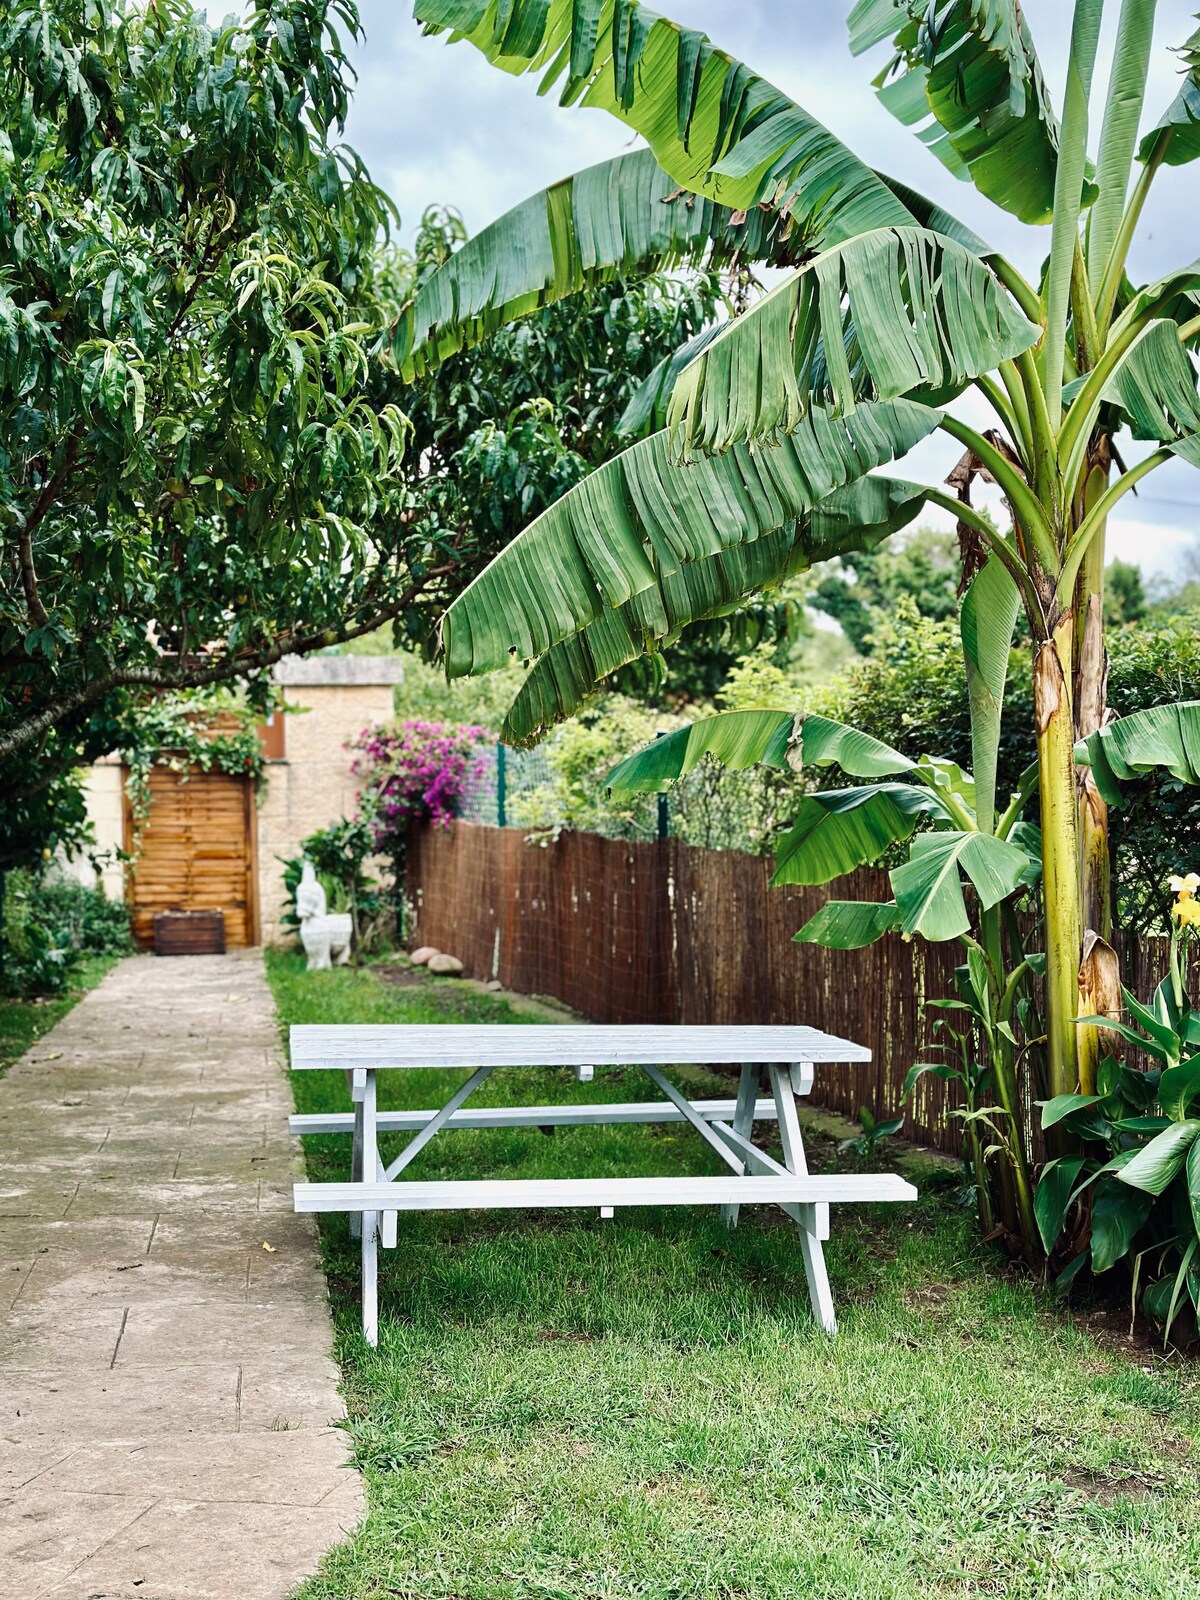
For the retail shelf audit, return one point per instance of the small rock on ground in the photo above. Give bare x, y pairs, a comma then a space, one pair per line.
445, 966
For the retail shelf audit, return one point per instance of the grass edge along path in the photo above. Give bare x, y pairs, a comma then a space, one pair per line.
23, 1022
641, 1409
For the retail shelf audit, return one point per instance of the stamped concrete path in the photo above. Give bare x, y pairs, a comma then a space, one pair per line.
166, 1385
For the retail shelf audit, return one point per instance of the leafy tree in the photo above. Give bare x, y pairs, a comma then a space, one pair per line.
193, 482
863, 591
202, 469
892, 310
1124, 593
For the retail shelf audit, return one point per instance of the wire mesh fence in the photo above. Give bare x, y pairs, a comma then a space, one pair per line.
540, 792
499, 782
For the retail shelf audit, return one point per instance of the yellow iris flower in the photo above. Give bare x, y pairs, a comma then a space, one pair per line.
1184, 887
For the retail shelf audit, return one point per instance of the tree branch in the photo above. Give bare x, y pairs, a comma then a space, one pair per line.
198, 673
29, 584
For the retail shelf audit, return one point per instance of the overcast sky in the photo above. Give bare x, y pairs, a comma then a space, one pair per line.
438, 126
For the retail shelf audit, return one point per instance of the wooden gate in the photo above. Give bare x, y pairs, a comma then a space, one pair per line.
197, 853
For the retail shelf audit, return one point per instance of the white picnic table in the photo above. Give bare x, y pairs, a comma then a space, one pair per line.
373, 1197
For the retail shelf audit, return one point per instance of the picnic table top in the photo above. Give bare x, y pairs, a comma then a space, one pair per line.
346, 1045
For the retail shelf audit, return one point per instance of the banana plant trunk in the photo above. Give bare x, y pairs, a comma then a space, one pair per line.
1090, 696
1053, 662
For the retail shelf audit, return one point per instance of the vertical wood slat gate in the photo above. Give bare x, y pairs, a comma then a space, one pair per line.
670, 933
197, 852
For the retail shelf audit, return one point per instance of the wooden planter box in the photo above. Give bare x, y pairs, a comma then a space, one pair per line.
189, 933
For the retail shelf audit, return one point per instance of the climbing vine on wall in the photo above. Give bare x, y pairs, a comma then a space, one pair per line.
213, 730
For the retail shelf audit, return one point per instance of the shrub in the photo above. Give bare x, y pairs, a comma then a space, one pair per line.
339, 855
48, 925
414, 772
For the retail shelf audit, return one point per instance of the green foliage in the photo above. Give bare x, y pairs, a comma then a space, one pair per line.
339, 854
711, 807
874, 1134
1124, 594
53, 816
911, 693
1138, 1178
47, 926
184, 730
863, 591
188, 309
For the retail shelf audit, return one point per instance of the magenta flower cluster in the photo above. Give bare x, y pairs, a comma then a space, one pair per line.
415, 772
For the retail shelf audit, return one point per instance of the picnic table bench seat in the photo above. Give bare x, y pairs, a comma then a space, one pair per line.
373, 1198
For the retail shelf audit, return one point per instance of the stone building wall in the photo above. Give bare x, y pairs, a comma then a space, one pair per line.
103, 785
330, 699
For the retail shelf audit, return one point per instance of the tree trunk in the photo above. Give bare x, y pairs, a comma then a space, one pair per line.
1052, 675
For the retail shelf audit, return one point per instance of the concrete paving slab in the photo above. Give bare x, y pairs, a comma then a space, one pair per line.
205, 1550
41, 1336
45, 1536
45, 1409
282, 1469
156, 1333
147, 1163
274, 1396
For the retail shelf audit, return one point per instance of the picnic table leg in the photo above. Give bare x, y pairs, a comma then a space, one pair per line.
370, 1219
370, 1276
816, 1227
743, 1122
356, 1153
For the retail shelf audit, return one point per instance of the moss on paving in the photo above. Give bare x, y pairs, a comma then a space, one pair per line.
23, 1022
567, 1409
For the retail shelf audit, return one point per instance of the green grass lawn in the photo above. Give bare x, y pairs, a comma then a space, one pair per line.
23, 1022
567, 1409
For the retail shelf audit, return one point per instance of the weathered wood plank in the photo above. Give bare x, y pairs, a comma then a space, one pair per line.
635, 1111
323, 1045
556, 1193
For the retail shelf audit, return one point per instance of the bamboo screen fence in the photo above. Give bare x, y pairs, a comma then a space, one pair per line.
664, 932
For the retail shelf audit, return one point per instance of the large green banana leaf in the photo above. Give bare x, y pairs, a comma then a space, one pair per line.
767, 738
620, 215
647, 410
965, 75
1155, 387
850, 924
852, 519
929, 889
1166, 737
638, 516
986, 622
717, 127
837, 830
1180, 125
926, 315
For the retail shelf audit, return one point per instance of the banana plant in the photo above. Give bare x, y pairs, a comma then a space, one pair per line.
888, 312
959, 843
1130, 1191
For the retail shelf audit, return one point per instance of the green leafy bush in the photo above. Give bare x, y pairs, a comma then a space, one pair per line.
339, 855
48, 925
1132, 1197
711, 807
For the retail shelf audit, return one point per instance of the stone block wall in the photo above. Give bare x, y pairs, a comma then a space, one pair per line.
329, 700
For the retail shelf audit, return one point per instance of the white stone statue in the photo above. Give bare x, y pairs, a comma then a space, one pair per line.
325, 937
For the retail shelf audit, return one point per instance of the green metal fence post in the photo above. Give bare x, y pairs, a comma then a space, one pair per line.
501, 787
664, 812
